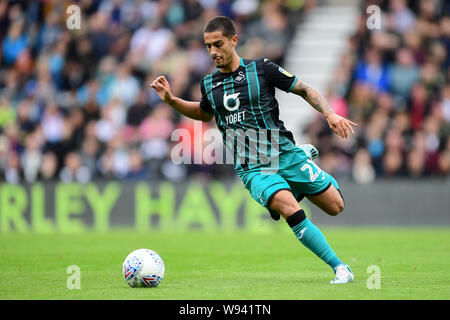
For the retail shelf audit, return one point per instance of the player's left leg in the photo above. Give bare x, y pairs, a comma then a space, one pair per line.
308, 234
330, 200
305, 178
311, 181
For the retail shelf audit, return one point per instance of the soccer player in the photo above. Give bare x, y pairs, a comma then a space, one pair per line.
240, 95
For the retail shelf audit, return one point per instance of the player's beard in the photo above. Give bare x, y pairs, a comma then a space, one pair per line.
222, 63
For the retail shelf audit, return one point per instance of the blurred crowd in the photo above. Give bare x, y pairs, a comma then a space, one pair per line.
395, 83
76, 105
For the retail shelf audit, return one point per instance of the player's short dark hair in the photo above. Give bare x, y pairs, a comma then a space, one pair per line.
221, 23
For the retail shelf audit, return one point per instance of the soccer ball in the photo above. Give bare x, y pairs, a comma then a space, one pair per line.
143, 268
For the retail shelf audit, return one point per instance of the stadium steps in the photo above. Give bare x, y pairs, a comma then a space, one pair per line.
313, 56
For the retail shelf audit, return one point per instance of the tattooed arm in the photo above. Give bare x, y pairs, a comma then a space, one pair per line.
312, 97
338, 124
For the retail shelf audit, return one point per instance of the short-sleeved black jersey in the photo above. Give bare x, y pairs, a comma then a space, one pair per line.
244, 102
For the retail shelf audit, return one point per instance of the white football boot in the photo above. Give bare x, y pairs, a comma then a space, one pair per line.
310, 150
343, 274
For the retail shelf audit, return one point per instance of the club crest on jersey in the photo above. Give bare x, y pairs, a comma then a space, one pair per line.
285, 72
240, 77
231, 101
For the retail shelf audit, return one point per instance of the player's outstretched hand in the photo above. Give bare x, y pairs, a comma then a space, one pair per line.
340, 125
162, 87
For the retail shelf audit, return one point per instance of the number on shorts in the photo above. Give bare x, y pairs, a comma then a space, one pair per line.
312, 176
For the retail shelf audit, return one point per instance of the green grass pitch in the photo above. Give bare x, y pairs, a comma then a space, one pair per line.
414, 264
